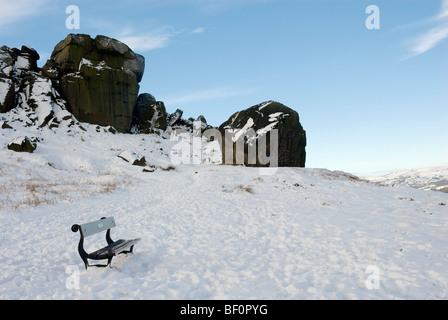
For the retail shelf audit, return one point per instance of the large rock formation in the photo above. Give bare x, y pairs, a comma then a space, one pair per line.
98, 78
97, 81
252, 127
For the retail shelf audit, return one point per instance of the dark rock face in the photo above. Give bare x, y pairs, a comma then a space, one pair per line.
149, 115
248, 126
98, 78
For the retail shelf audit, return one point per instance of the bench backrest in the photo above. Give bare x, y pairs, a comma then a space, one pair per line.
95, 227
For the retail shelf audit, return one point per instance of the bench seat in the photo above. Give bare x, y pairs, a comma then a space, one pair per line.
113, 249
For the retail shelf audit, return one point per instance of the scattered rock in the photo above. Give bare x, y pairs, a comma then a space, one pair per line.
132, 158
23, 144
5, 125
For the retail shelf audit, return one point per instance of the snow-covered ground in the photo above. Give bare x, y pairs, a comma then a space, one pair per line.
208, 231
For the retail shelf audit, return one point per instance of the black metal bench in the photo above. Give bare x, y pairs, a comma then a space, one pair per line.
113, 248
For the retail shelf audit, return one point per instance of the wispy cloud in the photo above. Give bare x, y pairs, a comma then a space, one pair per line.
13, 11
428, 40
155, 39
147, 41
199, 30
214, 6
444, 11
208, 94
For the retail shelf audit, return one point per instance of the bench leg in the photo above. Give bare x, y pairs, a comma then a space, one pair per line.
131, 250
86, 263
109, 261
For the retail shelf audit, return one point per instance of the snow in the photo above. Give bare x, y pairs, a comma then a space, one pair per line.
85, 62
40, 89
243, 131
5, 85
18, 141
208, 231
22, 63
97, 65
129, 156
274, 116
264, 105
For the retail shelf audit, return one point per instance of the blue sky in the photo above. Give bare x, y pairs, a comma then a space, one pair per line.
370, 100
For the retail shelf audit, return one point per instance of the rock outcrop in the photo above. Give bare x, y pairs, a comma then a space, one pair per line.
249, 126
99, 78
97, 81
87, 80
14, 62
22, 85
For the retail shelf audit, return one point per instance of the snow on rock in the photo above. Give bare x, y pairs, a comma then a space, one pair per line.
133, 158
244, 130
175, 117
263, 105
22, 63
5, 87
39, 103
255, 123
22, 144
101, 65
26, 95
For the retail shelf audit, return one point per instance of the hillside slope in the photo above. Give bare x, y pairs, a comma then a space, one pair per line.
208, 231
432, 178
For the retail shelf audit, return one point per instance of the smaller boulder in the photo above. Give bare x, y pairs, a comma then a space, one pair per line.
132, 158
149, 115
202, 119
175, 118
23, 144
27, 59
5, 125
